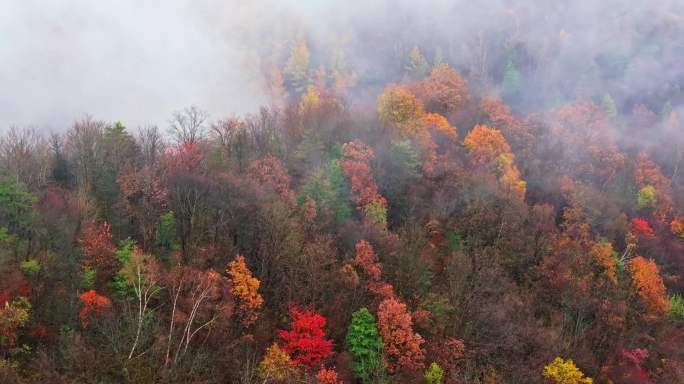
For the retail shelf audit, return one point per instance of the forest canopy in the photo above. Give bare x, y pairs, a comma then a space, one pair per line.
420, 206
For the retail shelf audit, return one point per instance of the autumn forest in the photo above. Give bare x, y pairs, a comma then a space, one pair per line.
401, 208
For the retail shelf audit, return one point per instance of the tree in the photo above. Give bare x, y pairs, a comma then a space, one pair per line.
277, 366
364, 342
142, 273
628, 368
443, 92
365, 258
144, 198
305, 342
417, 66
245, 290
327, 376
16, 205
608, 105
511, 80
198, 300
296, 69
94, 305
649, 286
13, 316
434, 374
604, 255
647, 197
187, 157
97, 248
487, 147
269, 172
562, 371
640, 227
400, 109
187, 126
402, 345
355, 163
485, 144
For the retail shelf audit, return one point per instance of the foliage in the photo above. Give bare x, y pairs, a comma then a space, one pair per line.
329, 188
94, 305
402, 345
88, 278
511, 80
245, 289
356, 166
305, 342
97, 248
605, 257
13, 316
16, 204
327, 376
561, 371
628, 368
399, 108
365, 344
676, 313
276, 366
434, 374
166, 238
443, 92
649, 286
677, 227
270, 172
296, 68
641, 227
647, 197
30, 267
417, 66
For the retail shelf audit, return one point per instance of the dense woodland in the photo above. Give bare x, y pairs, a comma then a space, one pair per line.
426, 222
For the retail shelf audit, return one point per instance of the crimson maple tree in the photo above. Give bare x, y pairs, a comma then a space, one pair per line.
305, 342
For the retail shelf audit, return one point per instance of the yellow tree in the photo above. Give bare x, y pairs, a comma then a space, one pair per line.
245, 290
562, 371
277, 366
400, 109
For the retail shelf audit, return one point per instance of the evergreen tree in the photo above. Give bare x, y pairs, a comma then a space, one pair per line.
364, 342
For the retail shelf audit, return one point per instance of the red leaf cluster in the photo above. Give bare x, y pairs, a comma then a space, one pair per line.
402, 345
98, 249
94, 305
306, 342
641, 227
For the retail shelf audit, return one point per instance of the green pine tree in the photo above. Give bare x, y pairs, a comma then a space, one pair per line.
364, 342
511, 81
608, 105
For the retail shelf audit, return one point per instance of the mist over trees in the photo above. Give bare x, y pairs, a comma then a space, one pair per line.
440, 192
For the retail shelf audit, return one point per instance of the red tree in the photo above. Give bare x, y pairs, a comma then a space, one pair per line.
628, 369
641, 227
94, 305
306, 342
186, 157
402, 345
98, 249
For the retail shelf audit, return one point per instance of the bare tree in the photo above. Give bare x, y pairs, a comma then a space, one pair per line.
25, 154
84, 144
187, 126
151, 144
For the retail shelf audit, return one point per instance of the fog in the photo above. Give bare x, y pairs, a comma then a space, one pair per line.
137, 62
